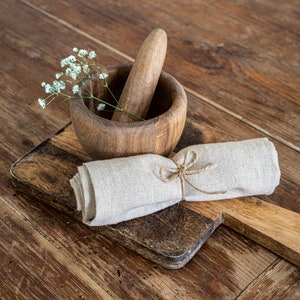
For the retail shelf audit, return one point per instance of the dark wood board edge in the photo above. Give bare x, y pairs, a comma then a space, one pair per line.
172, 260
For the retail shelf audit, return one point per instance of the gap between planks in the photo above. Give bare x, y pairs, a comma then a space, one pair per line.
130, 59
240, 296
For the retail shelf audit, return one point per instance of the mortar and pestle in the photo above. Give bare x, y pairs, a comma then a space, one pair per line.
144, 90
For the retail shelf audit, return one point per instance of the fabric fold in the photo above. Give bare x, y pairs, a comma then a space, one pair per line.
115, 190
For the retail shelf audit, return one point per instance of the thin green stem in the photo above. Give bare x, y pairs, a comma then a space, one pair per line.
111, 93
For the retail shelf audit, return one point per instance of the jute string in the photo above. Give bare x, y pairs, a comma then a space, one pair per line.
183, 170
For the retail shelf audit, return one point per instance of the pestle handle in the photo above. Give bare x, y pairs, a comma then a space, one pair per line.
142, 80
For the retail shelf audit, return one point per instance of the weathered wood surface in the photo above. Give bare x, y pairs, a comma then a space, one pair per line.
269, 225
29, 251
240, 63
240, 55
277, 282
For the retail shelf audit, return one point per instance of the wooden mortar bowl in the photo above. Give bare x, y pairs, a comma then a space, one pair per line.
103, 138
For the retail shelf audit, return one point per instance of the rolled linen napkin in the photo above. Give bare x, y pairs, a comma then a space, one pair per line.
120, 189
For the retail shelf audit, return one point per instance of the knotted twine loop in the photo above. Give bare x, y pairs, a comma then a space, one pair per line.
183, 170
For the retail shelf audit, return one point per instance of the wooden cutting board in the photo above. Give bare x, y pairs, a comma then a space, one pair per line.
170, 237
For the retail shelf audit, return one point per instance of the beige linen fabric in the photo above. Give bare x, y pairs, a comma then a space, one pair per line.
115, 190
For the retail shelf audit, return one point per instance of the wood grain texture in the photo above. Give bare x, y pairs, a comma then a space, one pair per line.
240, 56
142, 80
227, 263
271, 226
276, 282
260, 42
23, 252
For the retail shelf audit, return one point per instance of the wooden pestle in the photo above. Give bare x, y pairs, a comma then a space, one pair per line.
143, 77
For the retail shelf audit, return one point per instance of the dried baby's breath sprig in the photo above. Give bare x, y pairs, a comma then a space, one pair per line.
78, 67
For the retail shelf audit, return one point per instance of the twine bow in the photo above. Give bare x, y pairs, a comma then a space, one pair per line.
183, 170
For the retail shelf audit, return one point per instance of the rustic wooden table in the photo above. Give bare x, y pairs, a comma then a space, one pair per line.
239, 64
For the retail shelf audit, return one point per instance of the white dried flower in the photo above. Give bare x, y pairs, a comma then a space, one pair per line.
75, 89
82, 53
103, 76
42, 103
58, 75
92, 55
86, 69
101, 106
48, 88
73, 71
67, 61
58, 86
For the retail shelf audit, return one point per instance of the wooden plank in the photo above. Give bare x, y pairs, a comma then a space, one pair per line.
269, 225
24, 248
225, 265
219, 59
